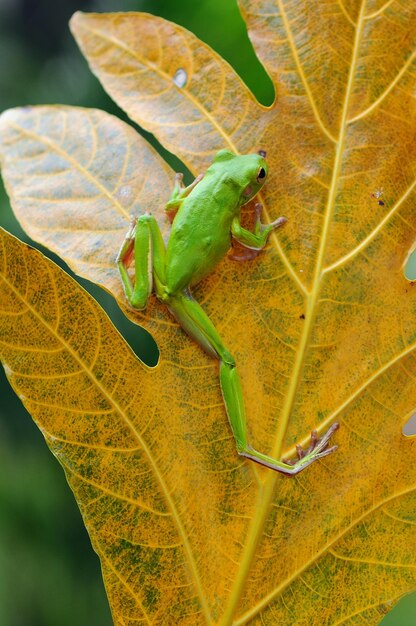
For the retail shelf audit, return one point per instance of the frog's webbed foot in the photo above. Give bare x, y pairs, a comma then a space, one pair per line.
318, 448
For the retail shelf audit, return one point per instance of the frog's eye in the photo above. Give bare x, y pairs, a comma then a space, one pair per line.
261, 175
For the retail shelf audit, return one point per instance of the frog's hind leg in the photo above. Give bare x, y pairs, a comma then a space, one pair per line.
144, 242
197, 324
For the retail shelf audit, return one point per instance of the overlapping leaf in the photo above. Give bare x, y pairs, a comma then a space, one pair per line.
322, 324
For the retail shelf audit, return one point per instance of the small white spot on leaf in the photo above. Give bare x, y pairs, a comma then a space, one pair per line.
125, 196
180, 78
125, 192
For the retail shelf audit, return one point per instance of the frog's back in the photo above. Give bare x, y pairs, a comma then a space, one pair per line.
200, 235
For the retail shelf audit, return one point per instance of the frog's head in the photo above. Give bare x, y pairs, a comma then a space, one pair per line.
248, 172
256, 170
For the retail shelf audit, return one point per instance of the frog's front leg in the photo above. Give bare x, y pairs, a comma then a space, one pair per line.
145, 238
197, 324
178, 194
254, 240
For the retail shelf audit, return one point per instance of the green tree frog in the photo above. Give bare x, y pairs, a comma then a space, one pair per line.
205, 217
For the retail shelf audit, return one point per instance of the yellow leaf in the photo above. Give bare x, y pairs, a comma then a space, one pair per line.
74, 177
322, 324
157, 57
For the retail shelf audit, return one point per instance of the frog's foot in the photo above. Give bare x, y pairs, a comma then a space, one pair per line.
180, 188
258, 208
243, 254
179, 181
132, 228
194, 182
279, 222
126, 252
318, 448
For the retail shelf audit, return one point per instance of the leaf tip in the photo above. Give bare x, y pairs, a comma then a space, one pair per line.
16, 117
13, 116
78, 15
76, 21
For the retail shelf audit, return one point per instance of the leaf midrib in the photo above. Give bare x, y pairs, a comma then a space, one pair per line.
316, 555
265, 495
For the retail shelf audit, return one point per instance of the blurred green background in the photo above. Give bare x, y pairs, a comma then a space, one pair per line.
49, 575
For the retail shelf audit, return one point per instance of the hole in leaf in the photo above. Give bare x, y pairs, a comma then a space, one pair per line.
409, 428
410, 265
180, 78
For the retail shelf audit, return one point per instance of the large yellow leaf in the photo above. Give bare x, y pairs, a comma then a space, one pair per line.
322, 324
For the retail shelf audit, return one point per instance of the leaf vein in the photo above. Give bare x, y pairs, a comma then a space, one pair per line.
385, 93
302, 73
164, 488
318, 554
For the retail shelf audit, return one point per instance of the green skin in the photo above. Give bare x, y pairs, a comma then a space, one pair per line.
206, 216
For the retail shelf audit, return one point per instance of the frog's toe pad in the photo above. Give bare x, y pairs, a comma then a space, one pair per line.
317, 449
